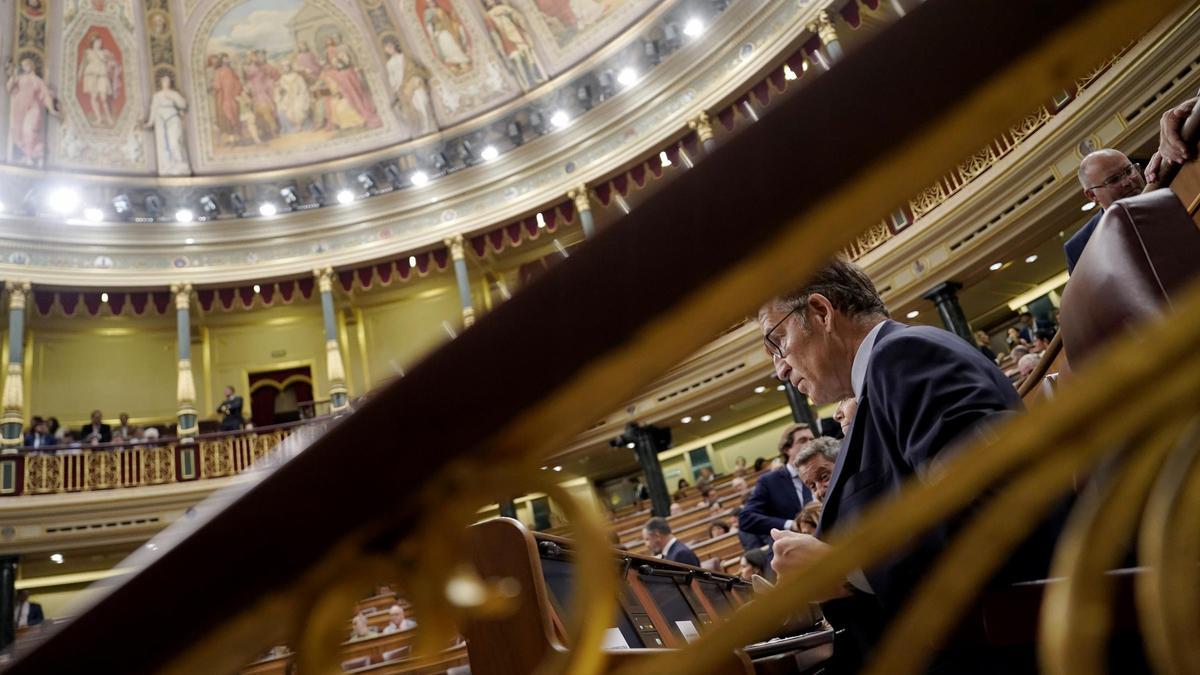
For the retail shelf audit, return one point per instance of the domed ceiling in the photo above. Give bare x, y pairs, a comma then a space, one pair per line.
219, 86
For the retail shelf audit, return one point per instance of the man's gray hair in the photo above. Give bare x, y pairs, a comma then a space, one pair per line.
658, 525
825, 446
845, 285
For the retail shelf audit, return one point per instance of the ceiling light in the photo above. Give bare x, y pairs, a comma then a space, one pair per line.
93, 214
184, 215
1031, 259
663, 159
267, 209
693, 27
759, 389
209, 204
788, 73
631, 445
782, 387
627, 76
419, 178
366, 180
686, 420
558, 468
56, 558
289, 196
541, 220
412, 261
705, 418
345, 196
489, 153
189, 241
995, 266
560, 119
1088, 206
64, 201
804, 66
257, 288
913, 314
104, 297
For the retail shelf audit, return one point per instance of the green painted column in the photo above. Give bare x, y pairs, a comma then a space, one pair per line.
12, 420
335, 368
583, 206
458, 256
185, 389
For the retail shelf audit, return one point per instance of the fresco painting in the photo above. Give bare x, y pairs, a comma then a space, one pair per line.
99, 89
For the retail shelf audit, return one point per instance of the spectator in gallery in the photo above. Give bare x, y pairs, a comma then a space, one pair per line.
360, 630
231, 409
39, 436
739, 467
397, 620
150, 434
56, 429
1014, 338
759, 462
27, 612
681, 488
657, 533
676, 508
123, 432
705, 478
984, 343
96, 431
718, 528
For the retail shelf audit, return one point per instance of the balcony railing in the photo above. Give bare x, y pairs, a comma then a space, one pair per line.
107, 466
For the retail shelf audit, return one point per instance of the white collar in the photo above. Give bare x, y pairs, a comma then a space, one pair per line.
667, 549
862, 359
792, 470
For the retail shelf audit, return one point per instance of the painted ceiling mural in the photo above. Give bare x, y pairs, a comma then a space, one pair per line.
176, 87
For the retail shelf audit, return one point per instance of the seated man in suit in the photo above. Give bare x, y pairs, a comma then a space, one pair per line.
1106, 176
657, 533
918, 390
96, 431
779, 495
815, 463
40, 436
27, 613
397, 621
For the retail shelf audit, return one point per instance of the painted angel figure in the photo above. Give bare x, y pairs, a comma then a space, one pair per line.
410, 92
29, 96
510, 34
167, 107
100, 76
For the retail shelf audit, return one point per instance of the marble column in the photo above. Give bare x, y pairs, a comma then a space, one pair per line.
702, 125
944, 296
583, 204
831, 47
12, 422
455, 244
339, 396
185, 388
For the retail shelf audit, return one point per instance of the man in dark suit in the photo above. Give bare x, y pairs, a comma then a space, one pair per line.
96, 431
657, 533
779, 495
40, 436
231, 408
919, 389
26, 613
1106, 176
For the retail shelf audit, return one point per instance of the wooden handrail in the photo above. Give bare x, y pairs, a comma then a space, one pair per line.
1043, 365
679, 269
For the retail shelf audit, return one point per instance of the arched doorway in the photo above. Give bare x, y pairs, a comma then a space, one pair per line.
276, 395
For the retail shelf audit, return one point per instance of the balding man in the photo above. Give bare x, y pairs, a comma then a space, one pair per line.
1106, 176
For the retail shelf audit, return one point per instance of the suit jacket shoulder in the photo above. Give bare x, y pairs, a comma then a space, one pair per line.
1075, 245
682, 554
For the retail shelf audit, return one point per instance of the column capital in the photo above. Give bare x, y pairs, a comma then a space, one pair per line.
182, 290
324, 277
455, 244
702, 125
579, 195
18, 292
824, 28
468, 314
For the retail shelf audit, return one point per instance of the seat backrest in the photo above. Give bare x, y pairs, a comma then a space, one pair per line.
393, 654
1144, 249
360, 662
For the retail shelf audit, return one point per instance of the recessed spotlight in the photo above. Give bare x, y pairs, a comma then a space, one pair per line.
693, 27
93, 214
631, 445
782, 387
345, 196
759, 389
56, 558
184, 215
63, 201
1088, 206
189, 241
627, 76
788, 73
419, 178
558, 468
804, 66
1031, 259
663, 159
412, 261
913, 314
995, 266
545, 468
104, 297
686, 420
257, 288
267, 209
705, 418
560, 119
489, 153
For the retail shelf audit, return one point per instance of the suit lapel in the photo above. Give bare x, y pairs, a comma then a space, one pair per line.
848, 456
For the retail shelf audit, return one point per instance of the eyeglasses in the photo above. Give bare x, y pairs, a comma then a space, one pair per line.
1129, 170
773, 348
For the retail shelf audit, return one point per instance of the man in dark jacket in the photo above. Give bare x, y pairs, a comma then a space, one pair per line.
657, 533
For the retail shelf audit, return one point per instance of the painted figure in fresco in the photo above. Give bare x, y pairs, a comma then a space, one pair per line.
260, 77
28, 98
167, 107
510, 33
571, 15
410, 90
226, 88
33, 8
292, 99
344, 81
447, 35
100, 75
306, 63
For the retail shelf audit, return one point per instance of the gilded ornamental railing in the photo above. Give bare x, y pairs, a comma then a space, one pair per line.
283, 557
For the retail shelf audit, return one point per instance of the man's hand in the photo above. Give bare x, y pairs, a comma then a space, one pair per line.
796, 552
1170, 143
